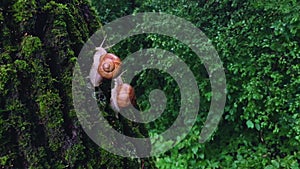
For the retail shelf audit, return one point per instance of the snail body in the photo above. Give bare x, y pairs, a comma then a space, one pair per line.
94, 76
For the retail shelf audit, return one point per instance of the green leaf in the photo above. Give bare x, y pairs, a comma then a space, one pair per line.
257, 126
250, 124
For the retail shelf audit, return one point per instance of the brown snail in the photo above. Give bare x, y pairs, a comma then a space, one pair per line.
122, 95
103, 65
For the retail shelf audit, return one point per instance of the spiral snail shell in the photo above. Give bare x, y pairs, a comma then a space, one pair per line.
109, 66
125, 95
122, 95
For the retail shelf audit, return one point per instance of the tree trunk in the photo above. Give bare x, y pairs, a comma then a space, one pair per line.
39, 43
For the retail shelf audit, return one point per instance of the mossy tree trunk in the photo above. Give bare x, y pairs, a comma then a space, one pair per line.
39, 43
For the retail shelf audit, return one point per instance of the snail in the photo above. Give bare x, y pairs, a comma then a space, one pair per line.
122, 95
105, 65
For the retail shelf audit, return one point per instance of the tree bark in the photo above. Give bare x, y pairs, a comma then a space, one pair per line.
39, 43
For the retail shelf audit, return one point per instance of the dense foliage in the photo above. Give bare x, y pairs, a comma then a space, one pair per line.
259, 44
39, 45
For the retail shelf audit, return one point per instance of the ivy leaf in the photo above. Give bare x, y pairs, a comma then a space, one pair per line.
257, 126
250, 124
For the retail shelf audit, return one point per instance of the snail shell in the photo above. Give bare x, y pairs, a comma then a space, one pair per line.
122, 95
125, 95
109, 66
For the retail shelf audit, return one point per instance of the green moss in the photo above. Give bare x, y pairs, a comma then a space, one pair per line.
24, 10
30, 45
4, 160
5, 58
21, 65
1, 18
55, 8
7, 78
50, 114
74, 154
